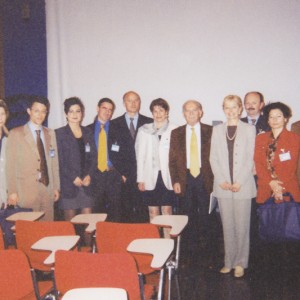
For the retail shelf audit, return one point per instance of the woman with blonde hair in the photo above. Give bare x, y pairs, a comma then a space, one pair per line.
231, 158
3, 136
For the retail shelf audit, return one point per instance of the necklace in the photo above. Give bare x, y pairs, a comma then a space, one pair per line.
233, 137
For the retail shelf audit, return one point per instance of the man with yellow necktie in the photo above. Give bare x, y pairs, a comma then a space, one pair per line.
107, 183
190, 171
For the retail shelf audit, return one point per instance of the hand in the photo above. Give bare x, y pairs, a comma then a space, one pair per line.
254, 170
235, 187
141, 186
77, 181
86, 180
225, 186
56, 195
124, 179
276, 186
13, 199
177, 188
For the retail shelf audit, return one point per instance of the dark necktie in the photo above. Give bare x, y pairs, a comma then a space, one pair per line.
253, 121
131, 128
43, 163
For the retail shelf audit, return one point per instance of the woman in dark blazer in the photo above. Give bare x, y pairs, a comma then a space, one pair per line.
77, 161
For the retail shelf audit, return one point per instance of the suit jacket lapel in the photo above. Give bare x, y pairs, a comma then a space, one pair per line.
47, 139
126, 129
183, 143
30, 140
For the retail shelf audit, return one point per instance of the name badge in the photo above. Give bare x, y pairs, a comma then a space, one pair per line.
52, 153
285, 156
87, 148
115, 147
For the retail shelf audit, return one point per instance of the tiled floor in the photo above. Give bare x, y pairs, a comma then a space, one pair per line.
273, 274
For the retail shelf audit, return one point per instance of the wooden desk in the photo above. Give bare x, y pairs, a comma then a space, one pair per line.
161, 249
90, 219
95, 294
26, 216
54, 243
176, 222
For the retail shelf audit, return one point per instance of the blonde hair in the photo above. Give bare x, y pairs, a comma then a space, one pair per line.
235, 99
4, 106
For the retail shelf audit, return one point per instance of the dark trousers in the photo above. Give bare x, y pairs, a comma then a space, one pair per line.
107, 193
195, 204
133, 208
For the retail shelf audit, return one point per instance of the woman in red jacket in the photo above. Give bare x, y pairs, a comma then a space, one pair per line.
276, 156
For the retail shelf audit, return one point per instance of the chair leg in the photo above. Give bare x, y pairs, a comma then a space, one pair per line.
177, 285
35, 285
142, 288
161, 284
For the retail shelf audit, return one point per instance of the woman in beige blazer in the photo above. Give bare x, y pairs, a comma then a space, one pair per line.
231, 158
3, 136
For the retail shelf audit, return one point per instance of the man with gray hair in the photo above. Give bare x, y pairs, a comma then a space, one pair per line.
190, 171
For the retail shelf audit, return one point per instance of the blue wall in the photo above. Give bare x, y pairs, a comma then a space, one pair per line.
25, 60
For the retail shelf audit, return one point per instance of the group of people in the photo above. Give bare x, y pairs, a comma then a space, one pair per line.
124, 165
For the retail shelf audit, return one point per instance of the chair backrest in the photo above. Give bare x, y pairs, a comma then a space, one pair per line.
29, 232
15, 275
115, 237
2, 245
81, 270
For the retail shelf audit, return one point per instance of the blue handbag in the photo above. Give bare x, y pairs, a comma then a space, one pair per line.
9, 238
279, 222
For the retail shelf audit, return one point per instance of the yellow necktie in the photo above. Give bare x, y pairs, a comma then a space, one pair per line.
102, 150
194, 156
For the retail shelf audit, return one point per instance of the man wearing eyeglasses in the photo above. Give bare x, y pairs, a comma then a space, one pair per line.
32, 165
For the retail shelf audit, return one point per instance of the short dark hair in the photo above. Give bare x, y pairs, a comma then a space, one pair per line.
160, 102
103, 100
286, 110
260, 95
42, 100
73, 101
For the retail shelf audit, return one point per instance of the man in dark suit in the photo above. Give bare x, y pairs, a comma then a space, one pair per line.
193, 186
107, 181
122, 136
254, 103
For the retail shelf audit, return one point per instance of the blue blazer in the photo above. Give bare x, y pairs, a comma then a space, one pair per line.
69, 159
261, 124
123, 155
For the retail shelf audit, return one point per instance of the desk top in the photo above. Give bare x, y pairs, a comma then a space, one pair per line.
176, 222
26, 215
90, 219
54, 243
95, 294
161, 249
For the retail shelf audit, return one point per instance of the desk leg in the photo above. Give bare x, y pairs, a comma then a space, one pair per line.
161, 284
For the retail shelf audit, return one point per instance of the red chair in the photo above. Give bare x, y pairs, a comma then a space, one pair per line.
115, 238
29, 232
17, 280
81, 270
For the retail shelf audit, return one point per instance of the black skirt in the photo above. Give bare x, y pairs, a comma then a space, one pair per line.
160, 196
